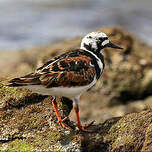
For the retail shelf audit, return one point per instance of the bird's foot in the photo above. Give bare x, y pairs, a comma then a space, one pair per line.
63, 124
88, 125
62, 120
84, 128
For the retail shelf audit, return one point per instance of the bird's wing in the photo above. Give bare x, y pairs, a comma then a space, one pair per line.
32, 78
70, 69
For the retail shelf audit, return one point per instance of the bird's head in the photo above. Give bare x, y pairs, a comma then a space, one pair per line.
96, 41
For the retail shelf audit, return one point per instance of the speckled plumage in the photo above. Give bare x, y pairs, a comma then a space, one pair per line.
71, 69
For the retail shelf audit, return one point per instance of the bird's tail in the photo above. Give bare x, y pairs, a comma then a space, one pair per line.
30, 79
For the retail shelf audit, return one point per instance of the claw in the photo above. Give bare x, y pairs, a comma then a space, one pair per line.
84, 128
65, 125
61, 122
88, 125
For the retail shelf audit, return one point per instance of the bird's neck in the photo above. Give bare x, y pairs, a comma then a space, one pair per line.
98, 61
96, 52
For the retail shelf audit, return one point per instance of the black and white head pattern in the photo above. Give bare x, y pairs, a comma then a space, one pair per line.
94, 41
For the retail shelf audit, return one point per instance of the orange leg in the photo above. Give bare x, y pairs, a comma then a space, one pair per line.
60, 121
82, 128
77, 115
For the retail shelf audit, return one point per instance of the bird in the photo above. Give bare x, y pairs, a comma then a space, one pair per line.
69, 74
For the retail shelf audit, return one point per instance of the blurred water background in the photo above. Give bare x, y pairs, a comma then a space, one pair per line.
33, 23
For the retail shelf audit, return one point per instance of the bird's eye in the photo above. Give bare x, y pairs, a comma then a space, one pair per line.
89, 37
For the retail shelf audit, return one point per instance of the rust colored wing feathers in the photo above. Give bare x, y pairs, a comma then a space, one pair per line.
70, 69
30, 79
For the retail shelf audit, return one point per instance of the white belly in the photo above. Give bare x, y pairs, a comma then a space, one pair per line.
61, 91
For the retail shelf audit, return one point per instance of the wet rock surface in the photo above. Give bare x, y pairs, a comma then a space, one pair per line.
119, 103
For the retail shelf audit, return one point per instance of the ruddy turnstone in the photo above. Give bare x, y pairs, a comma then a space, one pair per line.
69, 74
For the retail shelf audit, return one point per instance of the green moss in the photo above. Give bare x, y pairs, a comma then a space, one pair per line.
19, 146
51, 141
10, 91
5, 91
113, 132
127, 140
31, 122
123, 133
12, 96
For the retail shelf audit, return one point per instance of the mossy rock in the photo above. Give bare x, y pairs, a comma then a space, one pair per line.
28, 123
27, 119
122, 134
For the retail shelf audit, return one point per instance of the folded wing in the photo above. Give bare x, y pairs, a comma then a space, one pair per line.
67, 70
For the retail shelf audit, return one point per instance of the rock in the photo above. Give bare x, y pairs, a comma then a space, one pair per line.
28, 123
26, 119
18, 62
128, 134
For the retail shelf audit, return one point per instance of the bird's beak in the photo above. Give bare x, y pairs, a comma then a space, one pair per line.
112, 45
